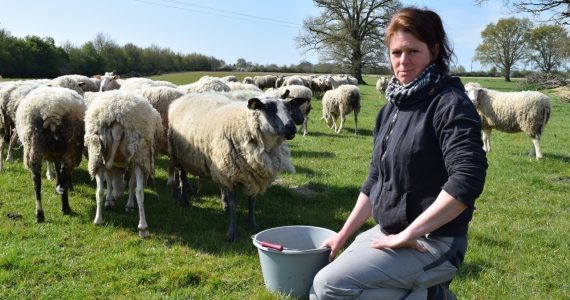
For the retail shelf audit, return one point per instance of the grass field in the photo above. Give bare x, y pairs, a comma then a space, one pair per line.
519, 237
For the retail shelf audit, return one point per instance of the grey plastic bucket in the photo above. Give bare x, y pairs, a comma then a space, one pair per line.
291, 270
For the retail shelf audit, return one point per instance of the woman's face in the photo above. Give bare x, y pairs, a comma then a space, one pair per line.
409, 56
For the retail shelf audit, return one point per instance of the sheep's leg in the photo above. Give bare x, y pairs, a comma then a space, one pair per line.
64, 180
487, 140
232, 228
305, 121
139, 191
176, 187
251, 212
225, 204
355, 123
1, 152
51, 170
342, 117
184, 188
99, 194
132, 190
538, 152
171, 174
58, 178
12, 145
37, 178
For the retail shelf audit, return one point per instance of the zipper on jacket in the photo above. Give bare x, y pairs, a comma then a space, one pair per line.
388, 134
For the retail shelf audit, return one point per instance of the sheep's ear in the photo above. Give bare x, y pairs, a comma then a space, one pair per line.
285, 95
81, 83
255, 103
299, 101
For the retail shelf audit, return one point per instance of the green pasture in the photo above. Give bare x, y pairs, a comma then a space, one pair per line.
519, 238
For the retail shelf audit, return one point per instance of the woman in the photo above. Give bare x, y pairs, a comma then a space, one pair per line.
428, 167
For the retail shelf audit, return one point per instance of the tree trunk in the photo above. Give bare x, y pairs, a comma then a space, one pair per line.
356, 63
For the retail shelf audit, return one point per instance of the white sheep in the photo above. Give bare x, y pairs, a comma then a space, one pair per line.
121, 130
230, 78
235, 86
265, 81
510, 112
382, 84
295, 91
340, 102
49, 121
205, 84
160, 98
231, 142
109, 81
248, 80
135, 83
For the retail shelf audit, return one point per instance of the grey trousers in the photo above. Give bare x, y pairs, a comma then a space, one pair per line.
363, 272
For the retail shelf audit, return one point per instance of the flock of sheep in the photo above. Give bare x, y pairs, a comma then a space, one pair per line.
234, 133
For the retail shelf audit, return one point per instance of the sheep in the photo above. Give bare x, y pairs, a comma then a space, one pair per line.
78, 83
265, 81
247, 80
109, 81
49, 122
205, 84
382, 84
10, 98
233, 143
230, 78
160, 98
340, 102
234, 86
296, 91
121, 132
293, 80
510, 112
136, 83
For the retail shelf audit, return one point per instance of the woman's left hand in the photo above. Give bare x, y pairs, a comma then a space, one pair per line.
398, 241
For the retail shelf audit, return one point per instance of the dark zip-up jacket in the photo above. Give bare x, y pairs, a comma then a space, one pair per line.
429, 143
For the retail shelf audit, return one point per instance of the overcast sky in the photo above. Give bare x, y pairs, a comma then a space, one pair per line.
260, 31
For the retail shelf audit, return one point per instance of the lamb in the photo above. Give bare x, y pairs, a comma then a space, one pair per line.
121, 133
231, 142
510, 112
382, 84
295, 91
340, 102
49, 122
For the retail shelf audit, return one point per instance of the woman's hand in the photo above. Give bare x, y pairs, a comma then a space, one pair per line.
399, 240
334, 243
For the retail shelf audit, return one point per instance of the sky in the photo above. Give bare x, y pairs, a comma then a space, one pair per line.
259, 31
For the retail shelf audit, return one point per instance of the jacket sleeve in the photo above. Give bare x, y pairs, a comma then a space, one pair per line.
459, 132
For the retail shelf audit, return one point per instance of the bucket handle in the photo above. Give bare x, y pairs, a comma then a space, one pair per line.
268, 245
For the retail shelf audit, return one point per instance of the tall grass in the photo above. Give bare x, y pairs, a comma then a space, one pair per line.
519, 240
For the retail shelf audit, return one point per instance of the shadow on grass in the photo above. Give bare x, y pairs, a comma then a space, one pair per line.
347, 132
204, 224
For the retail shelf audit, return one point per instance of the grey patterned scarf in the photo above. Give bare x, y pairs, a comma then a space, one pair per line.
397, 93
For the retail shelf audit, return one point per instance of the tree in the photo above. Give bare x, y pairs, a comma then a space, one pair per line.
504, 44
548, 46
349, 32
558, 10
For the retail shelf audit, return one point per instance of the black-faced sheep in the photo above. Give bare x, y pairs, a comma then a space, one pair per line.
121, 130
231, 142
340, 102
295, 91
49, 121
510, 112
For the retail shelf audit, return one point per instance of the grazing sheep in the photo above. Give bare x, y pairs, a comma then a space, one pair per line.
510, 112
295, 91
121, 132
49, 121
382, 84
231, 142
205, 84
340, 102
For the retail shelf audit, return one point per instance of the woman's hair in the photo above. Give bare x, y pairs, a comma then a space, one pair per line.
427, 27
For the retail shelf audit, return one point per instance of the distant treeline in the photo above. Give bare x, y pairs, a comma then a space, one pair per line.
35, 57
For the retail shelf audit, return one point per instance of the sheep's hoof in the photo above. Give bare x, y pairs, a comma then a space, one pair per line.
144, 233
129, 209
109, 205
40, 218
98, 221
67, 211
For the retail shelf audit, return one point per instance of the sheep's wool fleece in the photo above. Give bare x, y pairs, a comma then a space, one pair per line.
222, 139
51, 105
141, 123
346, 97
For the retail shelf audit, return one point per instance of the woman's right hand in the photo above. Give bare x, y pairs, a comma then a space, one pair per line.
334, 243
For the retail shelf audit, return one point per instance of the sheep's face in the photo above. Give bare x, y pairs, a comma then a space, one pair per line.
279, 117
472, 91
109, 82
